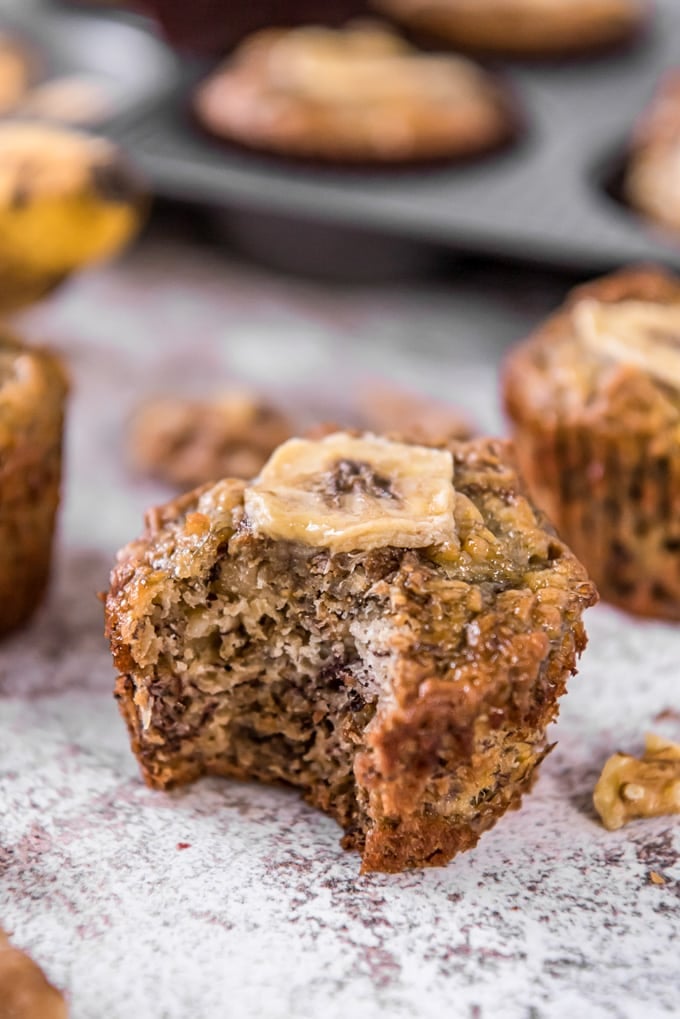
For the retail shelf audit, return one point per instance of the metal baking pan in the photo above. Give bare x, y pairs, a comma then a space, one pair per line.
547, 199
550, 198
135, 70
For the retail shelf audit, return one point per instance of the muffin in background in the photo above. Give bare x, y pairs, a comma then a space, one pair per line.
33, 391
594, 400
652, 179
16, 72
360, 94
538, 28
188, 442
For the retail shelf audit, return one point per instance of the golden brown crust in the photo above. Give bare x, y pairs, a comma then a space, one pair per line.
599, 447
651, 182
32, 394
520, 27
25, 992
466, 655
299, 103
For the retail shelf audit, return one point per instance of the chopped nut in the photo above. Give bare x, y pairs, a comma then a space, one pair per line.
631, 787
190, 442
656, 878
411, 416
25, 992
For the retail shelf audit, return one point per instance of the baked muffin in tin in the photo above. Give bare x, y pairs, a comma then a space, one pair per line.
355, 95
652, 177
387, 627
532, 28
32, 395
594, 399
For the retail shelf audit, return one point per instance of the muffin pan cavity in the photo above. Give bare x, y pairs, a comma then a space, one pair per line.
545, 199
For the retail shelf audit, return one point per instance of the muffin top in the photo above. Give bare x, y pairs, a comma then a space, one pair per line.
354, 504
32, 387
360, 92
652, 180
610, 355
15, 73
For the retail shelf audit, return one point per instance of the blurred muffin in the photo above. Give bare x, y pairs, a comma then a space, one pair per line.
66, 200
32, 395
384, 408
190, 442
360, 94
652, 182
594, 398
25, 992
520, 27
76, 99
15, 72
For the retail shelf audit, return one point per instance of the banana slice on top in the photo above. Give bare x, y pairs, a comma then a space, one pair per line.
347, 493
641, 333
66, 200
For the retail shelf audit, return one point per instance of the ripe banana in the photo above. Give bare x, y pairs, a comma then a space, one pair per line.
346, 493
66, 200
640, 333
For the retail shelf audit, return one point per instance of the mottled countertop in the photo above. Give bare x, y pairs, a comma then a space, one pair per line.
232, 901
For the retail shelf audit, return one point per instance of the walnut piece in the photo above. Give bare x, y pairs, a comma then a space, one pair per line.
190, 442
25, 992
632, 787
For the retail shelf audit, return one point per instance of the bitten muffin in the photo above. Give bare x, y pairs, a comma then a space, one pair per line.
520, 27
32, 395
386, 626
360, 94
652, 179
594, 398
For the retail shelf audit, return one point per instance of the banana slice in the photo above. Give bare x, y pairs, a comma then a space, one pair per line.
348, 493
640, 333
66, 200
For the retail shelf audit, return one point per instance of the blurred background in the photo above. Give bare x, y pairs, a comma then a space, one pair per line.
332, 292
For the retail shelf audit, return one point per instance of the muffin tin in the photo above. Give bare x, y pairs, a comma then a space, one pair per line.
552, 197
118, 54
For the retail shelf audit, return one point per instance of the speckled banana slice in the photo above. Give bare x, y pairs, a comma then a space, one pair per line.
640, 333
347, 493
66, 200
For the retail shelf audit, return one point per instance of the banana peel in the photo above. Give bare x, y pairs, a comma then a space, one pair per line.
67, 200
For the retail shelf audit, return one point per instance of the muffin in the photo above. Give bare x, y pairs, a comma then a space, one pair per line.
32, 395
594, 399
652, 177
387, 627
66, 199
15, 73
190, 442
360, 94
520, 27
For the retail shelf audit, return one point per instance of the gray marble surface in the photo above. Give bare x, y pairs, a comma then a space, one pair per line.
232, 901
